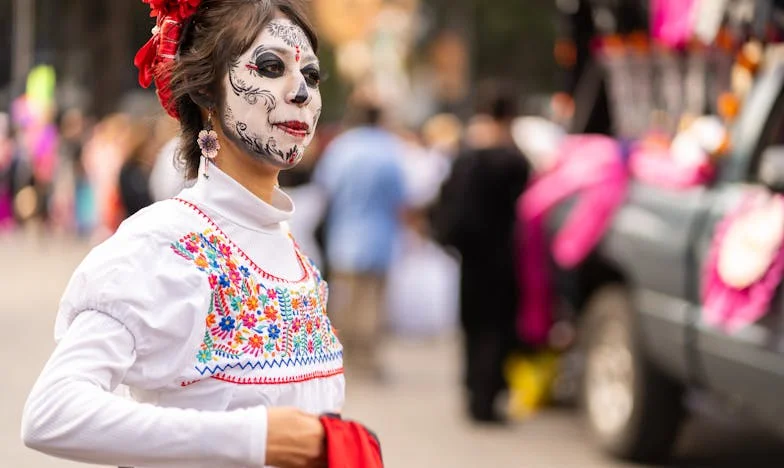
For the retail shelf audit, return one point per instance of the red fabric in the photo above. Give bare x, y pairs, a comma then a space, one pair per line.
350, 444
155, 58
183, 8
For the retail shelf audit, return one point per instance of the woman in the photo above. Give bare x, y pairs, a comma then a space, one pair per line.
203, 305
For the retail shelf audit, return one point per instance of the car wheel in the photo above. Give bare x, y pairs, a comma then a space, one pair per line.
631, 407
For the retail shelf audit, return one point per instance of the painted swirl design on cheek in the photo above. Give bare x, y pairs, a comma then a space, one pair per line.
268, 149
250, 93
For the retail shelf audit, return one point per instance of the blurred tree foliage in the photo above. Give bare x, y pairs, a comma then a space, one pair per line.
515, 40
92, 43
510, 40
334, 90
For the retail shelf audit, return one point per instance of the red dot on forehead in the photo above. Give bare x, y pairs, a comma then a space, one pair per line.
297, 56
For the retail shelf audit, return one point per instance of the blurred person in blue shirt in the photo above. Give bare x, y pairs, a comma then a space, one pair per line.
361, 174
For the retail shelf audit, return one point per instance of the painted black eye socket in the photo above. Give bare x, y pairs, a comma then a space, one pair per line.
312, 77
268, 65
271, 69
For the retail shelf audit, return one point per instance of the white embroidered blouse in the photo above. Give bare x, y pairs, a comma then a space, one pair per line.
205, 308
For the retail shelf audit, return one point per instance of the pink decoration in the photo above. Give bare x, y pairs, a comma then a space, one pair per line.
208, 143
672, 21
534, 313
589, 165
725, 306
655, 166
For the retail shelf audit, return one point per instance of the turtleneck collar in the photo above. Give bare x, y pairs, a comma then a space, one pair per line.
227, 197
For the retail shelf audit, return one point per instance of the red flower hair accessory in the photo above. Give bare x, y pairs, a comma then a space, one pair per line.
183, 9
155, 58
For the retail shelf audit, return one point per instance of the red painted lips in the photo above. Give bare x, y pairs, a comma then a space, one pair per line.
294, 127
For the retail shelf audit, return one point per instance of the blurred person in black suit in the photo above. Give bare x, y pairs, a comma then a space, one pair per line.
475, 215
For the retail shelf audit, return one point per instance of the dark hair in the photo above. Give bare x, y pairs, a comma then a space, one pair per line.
498, 99
218, 33
364, 114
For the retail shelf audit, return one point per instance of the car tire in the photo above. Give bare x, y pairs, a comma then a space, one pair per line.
632, 408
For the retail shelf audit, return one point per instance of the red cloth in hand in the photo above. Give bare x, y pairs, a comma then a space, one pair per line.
350, 444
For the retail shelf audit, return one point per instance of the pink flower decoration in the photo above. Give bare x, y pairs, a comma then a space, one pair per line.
728, 307
235, 277
208, 143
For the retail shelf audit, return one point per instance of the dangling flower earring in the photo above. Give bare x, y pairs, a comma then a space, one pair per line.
208, 143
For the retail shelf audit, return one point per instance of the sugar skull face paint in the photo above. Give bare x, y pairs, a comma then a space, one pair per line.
272, 100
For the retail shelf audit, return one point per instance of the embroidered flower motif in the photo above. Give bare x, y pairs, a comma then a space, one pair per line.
224, 250
296, 302
255, 341
227, 323
271, 313
249, 321
238, 339
208, 143
204, 356
235, 277
236, 302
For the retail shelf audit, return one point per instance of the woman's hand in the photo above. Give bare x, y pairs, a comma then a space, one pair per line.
295, 439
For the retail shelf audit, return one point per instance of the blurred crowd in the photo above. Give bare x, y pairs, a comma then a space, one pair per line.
69, 173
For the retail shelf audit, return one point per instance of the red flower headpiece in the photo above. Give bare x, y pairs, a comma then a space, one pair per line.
154, 59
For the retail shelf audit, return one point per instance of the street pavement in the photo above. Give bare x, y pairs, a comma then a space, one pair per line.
417, 412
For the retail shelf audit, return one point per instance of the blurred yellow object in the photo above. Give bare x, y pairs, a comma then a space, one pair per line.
530, 380
344, 21
40, 90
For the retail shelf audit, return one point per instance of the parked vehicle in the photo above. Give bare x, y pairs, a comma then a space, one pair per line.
645, 341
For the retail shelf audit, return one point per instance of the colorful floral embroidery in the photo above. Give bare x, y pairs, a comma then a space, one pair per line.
252, 325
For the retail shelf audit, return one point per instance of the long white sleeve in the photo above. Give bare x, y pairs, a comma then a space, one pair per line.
71, 412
